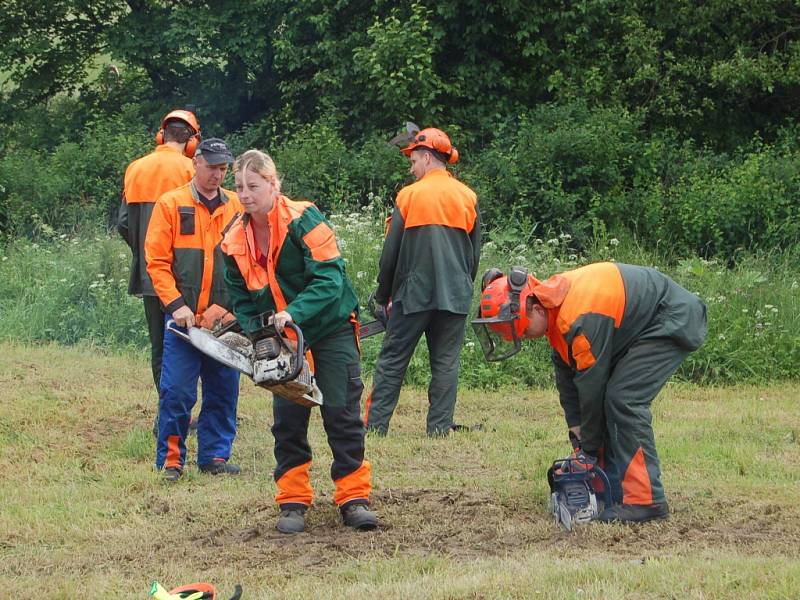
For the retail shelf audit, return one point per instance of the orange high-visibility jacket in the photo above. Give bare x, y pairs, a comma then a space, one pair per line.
146, 179
184, 259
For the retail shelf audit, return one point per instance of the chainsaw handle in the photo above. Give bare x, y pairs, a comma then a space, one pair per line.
172, 327
298, 353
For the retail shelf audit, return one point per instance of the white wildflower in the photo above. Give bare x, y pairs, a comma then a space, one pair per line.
744, 310
614, 242
721, 336
553, 242
361, 275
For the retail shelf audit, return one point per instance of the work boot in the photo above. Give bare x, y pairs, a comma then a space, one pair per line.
360, 517
292, 520
634, 513
219, 467
172, 474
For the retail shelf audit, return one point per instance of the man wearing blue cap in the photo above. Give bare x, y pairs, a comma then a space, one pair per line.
185, 264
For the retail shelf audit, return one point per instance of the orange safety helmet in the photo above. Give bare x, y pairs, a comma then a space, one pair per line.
436, 140
188, 118
502, 318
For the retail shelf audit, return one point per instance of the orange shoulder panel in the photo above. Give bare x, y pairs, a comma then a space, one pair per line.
322, 243
149, 177
595, 288
438, 199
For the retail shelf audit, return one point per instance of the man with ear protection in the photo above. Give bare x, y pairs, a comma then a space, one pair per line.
618, 332
169, 166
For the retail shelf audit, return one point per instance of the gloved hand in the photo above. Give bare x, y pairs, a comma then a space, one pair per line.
378, 310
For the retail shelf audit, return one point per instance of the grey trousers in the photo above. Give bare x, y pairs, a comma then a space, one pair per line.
629, 452
444, 333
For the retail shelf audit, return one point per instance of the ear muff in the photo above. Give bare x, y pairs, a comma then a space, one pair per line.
191, 145
453, 158
160, 137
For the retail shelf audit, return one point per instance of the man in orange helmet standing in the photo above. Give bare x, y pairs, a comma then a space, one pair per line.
427, 269
618, 333
169, 166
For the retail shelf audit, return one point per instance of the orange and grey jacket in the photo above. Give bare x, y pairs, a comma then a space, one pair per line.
146, 179
182, 248
431, 252
595, 314
303, 272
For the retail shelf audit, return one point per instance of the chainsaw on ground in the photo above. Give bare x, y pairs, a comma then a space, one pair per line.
574, 492
272, 360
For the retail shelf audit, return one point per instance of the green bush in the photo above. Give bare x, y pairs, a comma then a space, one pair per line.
560, 167
73, 289
70, 184
750, 203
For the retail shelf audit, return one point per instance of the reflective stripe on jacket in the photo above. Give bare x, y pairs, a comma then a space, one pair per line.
182, 247
432, 248
596, 313
146, 179
304, 275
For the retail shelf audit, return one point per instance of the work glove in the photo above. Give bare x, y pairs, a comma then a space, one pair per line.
378, 310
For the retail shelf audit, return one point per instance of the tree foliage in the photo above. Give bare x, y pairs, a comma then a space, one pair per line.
578, 116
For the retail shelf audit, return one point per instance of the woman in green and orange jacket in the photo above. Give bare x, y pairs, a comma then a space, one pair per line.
282, 256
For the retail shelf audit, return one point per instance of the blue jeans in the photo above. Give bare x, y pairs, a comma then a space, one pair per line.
182, 366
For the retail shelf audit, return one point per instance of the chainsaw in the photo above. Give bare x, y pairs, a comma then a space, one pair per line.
573, 492
273, 361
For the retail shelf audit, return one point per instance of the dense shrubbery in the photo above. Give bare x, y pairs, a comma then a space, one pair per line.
571, 169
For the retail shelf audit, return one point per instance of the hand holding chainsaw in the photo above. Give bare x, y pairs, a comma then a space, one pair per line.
183, 317
279, 320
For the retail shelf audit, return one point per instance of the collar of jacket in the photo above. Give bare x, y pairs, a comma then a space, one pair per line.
437, 173
196, 195
165, 148
551, 292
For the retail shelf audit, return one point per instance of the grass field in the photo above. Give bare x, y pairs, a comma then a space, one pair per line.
85, 516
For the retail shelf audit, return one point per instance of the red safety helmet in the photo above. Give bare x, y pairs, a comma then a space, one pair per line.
436, 140
502, 318
188, 118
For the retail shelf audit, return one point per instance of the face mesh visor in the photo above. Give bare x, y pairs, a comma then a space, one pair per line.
497, 337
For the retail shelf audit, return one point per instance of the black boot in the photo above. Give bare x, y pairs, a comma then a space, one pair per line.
292, 520
219, 467
634, 513
359, 516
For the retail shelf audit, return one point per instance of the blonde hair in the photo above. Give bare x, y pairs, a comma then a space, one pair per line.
260, 163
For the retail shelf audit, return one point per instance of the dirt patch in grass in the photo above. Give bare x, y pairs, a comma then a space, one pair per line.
470, 524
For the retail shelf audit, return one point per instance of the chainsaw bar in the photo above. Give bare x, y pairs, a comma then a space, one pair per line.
210, 345
370, 328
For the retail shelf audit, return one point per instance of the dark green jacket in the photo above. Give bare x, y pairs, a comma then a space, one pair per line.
433, 246
304, 264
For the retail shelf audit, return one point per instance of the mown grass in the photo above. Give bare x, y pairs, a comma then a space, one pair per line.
85, 515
